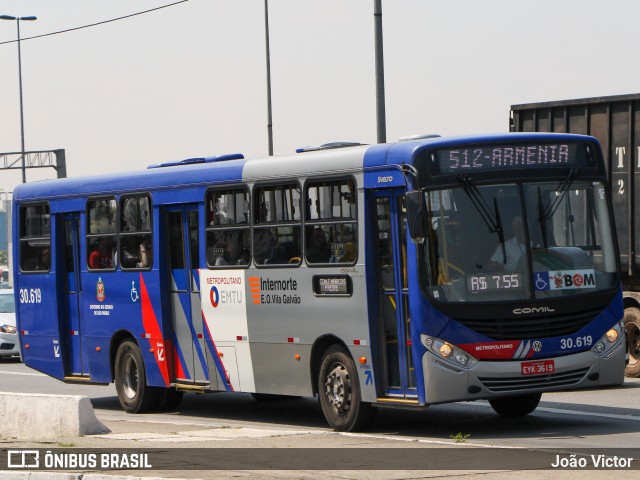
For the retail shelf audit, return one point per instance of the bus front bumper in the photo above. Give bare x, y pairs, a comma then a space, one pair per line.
447, 382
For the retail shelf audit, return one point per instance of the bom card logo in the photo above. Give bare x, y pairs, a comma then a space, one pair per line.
564, 279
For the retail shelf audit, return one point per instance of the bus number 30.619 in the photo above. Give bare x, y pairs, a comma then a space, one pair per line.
576, 342
30, 295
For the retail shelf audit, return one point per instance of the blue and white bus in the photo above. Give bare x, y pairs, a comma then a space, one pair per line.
426, 271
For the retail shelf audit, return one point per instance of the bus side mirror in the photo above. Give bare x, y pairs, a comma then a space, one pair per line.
415, 216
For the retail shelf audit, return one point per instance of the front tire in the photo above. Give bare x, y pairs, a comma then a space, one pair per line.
517, 406
632, 327
339, 393
131, 380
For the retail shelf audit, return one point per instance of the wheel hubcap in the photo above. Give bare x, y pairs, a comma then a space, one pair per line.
338, 388
633, 342
129, 376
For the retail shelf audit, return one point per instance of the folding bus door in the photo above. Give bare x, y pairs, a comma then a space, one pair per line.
391, 268
181, 230
75, 354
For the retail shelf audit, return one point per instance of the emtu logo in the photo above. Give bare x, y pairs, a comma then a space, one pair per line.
254, 287
214, 296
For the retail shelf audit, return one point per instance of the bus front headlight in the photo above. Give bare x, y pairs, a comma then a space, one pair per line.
448, 351
608, 340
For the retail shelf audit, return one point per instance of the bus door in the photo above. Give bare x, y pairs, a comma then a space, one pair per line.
75, 353
393, 294
181, 230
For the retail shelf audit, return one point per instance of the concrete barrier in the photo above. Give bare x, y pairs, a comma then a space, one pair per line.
28, 416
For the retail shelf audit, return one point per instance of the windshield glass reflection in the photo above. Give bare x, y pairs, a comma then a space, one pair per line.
516, 242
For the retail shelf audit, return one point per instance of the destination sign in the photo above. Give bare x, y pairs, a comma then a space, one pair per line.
514, 156
332, 285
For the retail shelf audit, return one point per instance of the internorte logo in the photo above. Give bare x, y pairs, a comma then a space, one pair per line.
267, 291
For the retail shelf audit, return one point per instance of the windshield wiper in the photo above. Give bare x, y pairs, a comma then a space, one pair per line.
546, 212
491, 219
542, 219
562, 188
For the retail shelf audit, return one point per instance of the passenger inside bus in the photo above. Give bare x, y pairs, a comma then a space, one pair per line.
38, 261
514, 248
145, 255
318, 249
100, 257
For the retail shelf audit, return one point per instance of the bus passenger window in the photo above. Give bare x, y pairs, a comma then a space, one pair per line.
330, 226
228, 229
102, 238
136, 236
277, 232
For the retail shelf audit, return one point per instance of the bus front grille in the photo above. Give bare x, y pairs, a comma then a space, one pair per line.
532, 327
518, 384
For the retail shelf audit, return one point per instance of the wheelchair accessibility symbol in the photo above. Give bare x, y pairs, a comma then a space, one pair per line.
542, 281
134, 292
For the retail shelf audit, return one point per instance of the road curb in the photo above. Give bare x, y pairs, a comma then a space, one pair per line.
30, 416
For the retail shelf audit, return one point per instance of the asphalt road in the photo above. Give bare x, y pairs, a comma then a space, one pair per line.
565, 421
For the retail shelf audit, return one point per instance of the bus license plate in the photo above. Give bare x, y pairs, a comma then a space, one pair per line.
537, 367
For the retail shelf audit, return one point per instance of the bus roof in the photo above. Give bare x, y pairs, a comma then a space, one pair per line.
203, 174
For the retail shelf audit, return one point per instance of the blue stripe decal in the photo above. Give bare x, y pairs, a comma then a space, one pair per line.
194, 337
183, 364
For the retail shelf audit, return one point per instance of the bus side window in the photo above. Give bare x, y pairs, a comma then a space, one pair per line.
277, 231
136, 235
331, 223
228, 229
102, 237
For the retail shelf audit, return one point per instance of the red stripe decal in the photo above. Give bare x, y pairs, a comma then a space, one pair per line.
178, 364
492, 350
152, 327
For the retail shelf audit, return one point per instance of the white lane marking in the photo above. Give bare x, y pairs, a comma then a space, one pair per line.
27, 374
589, 414
211, 434
562, 411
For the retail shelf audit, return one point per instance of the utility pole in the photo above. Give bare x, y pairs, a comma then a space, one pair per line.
17, 19
269, 119
380, 109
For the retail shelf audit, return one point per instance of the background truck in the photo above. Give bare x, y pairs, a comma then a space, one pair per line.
615, 122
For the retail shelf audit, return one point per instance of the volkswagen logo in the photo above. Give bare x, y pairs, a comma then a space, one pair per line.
537, 346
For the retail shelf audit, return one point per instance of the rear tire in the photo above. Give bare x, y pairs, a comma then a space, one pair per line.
632, 327
131, 380
517, 406
339, 393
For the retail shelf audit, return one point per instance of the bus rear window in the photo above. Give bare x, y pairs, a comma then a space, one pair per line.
35, 238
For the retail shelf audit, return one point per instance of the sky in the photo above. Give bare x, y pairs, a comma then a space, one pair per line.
190, 80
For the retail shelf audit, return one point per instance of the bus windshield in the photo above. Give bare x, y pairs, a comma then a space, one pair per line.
513, 241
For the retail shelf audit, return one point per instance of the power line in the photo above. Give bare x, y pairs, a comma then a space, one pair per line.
96, 24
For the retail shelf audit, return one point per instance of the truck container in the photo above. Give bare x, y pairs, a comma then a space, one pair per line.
615, 122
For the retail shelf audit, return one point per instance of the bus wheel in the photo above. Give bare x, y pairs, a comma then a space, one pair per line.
632, 326
131, 381
517, 406
339, 393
